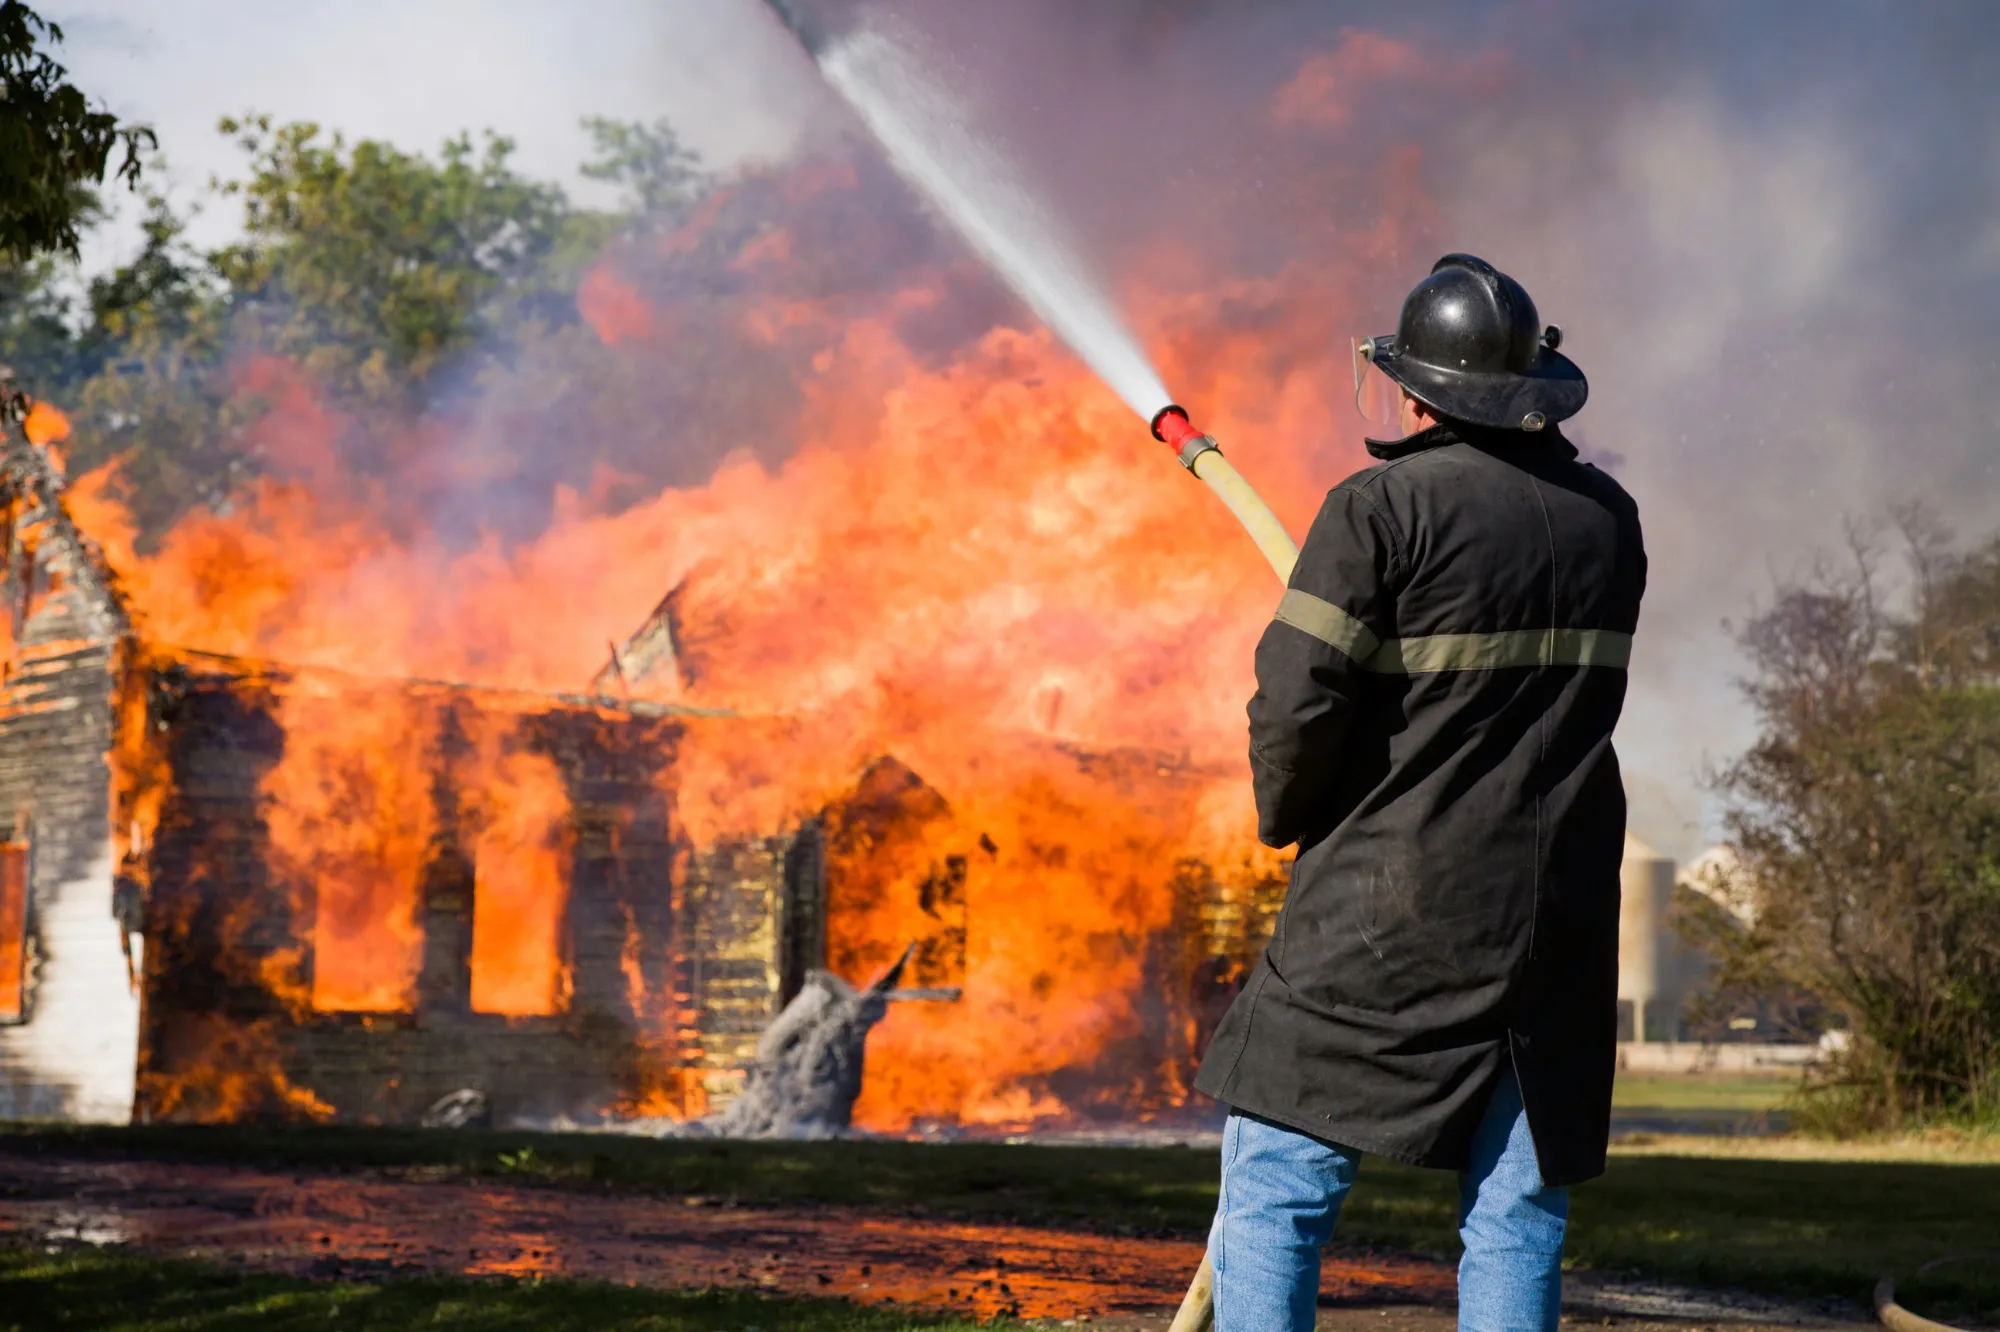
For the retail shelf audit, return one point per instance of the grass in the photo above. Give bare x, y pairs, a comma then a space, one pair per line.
1680, 1093
121, 1293
1797, 1226
1936, 1146
1792, 1220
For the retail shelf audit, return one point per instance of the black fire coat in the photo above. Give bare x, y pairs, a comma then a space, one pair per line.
1432, 727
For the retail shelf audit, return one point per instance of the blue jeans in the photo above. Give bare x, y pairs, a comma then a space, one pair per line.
1282, 1190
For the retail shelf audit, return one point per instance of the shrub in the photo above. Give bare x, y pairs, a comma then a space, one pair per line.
1866, 819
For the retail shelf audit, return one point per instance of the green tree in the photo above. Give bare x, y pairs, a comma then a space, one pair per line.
37, 337
1867, 817
158, 399
660, 177
401, 282
374, 267
53, 146
54, 151
54, 343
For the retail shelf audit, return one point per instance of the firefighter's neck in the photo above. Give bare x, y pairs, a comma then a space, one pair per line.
1415, 416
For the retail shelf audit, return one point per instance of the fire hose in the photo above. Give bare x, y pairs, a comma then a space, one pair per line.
1197, 1311
1895, 1317
1200, 454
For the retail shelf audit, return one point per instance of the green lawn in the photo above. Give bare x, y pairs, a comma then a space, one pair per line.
115, 1293
1790, 1226
1794, 1224
1669, 1094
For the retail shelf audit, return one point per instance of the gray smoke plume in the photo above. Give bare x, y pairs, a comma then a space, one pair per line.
1769, 234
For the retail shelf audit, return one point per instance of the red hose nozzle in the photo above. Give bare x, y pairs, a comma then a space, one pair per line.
1172, 427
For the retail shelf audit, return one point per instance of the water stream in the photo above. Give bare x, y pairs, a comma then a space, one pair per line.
931, 141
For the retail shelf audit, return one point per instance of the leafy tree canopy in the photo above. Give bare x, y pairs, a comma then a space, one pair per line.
53, 145
660, 177
153, 392
54, 149
395, 278
373, 266
1867, 816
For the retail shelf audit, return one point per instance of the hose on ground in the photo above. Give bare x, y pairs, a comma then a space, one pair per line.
1200, 455
1898, 1319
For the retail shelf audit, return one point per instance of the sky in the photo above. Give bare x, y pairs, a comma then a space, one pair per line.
415, 73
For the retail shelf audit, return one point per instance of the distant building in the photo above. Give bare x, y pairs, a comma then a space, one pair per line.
1651, 979
1661, 975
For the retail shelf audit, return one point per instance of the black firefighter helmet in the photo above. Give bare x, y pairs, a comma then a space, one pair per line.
1471, 347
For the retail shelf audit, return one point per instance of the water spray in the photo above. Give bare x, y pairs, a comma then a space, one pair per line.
810, 34
928, 138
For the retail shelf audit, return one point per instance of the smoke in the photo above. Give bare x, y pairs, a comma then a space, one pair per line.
955, 169
1769, 235
1772, 243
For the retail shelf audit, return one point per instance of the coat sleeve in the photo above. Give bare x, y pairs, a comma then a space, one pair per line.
1335, 613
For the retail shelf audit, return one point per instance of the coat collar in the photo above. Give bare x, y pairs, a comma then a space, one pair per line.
1439, 435
1435, 437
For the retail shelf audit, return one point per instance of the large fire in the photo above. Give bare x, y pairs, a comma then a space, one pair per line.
984, 567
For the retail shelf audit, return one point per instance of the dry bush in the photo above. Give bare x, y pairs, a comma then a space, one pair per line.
1867, 818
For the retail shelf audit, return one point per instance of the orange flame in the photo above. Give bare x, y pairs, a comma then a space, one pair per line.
45, 424
521, 859
349, 821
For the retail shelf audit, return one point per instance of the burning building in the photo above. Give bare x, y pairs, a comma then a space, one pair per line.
895, 520
233, 889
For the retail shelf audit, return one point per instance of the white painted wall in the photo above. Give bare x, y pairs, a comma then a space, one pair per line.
76, 1056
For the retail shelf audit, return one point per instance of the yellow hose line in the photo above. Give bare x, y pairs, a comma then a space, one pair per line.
1263, 526
1898, 1319
1197, 1311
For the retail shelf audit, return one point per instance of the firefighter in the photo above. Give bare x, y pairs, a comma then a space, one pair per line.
1432, 730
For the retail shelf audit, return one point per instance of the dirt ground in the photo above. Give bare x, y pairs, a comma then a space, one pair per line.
343, 1227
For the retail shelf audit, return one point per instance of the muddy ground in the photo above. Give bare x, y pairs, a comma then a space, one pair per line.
342, 1227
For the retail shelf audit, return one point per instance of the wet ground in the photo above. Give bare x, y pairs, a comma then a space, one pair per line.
333, 1226
348, 1227
1204, 1130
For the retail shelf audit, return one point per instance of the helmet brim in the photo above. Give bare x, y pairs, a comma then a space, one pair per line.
1552, 387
